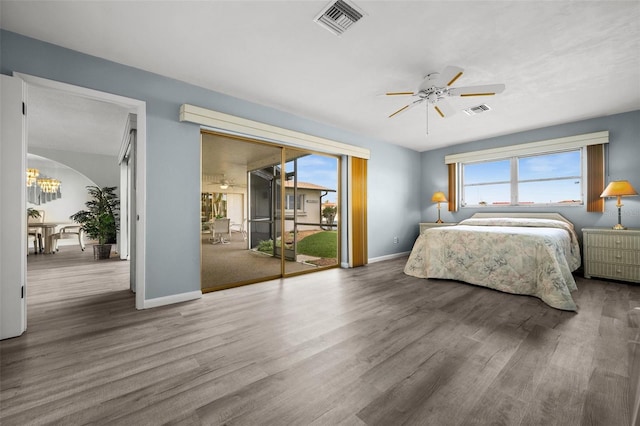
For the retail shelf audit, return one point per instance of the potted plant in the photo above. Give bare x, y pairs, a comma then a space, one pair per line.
100, 220
33, 213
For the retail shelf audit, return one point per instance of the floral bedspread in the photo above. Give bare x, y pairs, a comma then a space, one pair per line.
521, 256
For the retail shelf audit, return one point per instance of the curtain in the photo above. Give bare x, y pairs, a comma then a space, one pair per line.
453, 186
595, 178
358, 197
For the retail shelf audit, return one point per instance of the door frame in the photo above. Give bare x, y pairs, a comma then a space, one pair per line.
139, 108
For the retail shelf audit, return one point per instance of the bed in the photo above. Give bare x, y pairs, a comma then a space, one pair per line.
531, 254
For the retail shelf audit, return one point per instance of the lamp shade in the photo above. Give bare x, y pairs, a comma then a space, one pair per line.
438, 197
617, 188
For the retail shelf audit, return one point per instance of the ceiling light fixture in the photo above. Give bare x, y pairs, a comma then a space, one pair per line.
32, 176
49, 185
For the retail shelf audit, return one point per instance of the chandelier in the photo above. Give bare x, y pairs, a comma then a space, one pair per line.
41, 188
32, 176
45, 184
49, 185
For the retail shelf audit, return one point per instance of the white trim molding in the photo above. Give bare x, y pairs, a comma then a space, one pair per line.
232, 124
559, 144
390, 256
174, 298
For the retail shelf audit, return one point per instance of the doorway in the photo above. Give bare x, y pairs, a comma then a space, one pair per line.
130, 151
287, 224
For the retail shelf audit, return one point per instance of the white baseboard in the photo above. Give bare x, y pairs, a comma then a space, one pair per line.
174, 298
344, 265
389, 257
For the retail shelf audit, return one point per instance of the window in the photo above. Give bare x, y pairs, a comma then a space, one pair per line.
544, 179
289, 202
536, 176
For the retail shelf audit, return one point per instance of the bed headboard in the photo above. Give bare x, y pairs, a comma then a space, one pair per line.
534, 215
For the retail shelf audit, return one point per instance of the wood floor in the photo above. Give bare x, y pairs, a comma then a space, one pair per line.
367, 346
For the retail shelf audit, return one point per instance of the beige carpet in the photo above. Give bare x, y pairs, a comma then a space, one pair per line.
224, 264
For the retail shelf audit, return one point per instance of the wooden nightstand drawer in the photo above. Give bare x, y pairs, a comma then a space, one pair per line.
598, 254
616, 272
614, 239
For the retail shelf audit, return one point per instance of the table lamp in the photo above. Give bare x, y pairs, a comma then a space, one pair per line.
619, 188
438, 197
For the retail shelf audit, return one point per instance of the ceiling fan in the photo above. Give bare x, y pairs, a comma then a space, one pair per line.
223, 181
437, 86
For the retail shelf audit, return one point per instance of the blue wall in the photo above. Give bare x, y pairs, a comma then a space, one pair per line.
400, 184
173, 158
623, 162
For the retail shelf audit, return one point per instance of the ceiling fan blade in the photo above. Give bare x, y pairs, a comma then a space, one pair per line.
448, 76
444, 108
406, 107
399, 93
484, 90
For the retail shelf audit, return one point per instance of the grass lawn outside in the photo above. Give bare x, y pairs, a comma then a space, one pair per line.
320, 244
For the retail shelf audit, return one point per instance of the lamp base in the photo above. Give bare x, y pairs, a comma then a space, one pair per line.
439, 221
619, 227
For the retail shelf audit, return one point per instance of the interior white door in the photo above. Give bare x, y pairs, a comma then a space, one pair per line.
13, 217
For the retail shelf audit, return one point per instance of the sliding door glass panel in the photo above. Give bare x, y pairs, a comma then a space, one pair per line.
310, 205
237, 214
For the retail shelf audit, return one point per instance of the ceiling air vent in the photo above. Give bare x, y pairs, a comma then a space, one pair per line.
338, 16
477, 109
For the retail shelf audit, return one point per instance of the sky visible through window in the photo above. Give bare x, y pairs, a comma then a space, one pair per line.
320, 170
550, 178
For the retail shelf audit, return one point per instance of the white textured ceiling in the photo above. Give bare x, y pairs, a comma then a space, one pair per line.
561, 61
66, 122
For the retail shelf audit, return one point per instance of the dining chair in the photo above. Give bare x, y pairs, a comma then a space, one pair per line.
219, 229
35, 231
240, 227
69, 231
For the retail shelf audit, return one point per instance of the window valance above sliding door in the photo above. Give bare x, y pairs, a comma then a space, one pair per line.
232, 124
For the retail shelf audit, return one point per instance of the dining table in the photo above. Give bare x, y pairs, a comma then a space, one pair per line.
48, 229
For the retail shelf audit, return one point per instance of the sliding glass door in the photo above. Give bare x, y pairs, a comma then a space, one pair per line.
310, 236
287, 223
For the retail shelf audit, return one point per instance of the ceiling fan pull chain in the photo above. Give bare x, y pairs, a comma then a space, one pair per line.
426, 110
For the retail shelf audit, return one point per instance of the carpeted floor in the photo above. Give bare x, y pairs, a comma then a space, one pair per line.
224, 264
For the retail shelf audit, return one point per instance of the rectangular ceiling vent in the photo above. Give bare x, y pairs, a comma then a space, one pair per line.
338, 16
477, 109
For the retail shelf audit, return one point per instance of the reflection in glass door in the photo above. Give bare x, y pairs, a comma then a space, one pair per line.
285, 222
235, 212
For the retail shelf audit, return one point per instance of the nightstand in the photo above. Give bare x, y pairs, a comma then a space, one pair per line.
427, 225
609, 253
